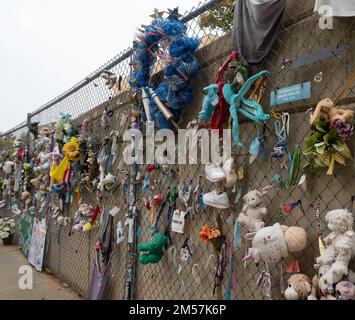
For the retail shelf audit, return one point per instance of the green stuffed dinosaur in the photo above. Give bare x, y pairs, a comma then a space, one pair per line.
152, 252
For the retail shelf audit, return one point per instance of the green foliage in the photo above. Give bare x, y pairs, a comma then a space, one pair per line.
220, 17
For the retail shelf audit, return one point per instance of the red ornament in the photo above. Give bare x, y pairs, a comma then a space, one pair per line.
287, 208
150, 168
147, 204
158, 199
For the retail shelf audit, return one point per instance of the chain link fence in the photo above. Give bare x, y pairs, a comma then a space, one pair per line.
70, 256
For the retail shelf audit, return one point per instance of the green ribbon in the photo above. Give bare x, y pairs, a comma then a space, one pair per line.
295, 159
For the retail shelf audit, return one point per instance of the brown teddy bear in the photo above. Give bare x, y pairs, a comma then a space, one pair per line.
326, 110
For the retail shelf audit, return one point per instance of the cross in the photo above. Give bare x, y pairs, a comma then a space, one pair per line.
174, 14
157, 14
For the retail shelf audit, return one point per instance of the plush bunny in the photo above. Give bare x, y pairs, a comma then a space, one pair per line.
271, 244
340, 247
253, 211
299, 287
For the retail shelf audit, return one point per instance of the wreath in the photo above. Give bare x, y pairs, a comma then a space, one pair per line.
164, 40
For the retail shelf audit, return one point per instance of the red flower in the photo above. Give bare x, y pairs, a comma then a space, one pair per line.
150, 168
287, 208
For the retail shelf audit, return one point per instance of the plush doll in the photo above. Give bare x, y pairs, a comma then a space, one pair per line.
253, 211
271, 244
299, 287
326, 110
210, 102
44, 164
320, 289
26, 197
345, 290
152, 252
340, 247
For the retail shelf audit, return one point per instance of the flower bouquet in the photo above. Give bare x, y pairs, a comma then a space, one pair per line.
326, 144
7, 230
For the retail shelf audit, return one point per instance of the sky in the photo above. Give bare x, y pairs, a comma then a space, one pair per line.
47, 46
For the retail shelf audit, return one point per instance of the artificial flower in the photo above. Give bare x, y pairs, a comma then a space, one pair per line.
208, 233
326, 145
71, 150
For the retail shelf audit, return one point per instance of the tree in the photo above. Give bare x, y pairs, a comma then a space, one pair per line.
219, 17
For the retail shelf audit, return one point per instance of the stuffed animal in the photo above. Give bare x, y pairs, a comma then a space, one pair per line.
210, 102
271, 244
326, 110
345, 290
320, 289
340, 247
314, 291
44, 164
299, 287
26, 197
253, 211
152, 252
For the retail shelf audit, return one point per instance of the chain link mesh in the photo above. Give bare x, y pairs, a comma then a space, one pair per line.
70, 257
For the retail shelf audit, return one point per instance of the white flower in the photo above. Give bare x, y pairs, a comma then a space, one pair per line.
4, 235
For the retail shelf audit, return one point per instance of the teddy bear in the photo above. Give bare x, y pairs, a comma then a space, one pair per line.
253, 211
271, 244
152, 252
299, 287
326, 110
340, 247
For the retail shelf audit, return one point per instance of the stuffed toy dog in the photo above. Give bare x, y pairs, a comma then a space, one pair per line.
299, 287
152, 252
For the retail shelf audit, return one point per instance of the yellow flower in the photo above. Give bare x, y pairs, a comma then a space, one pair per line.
26, 166
71, 150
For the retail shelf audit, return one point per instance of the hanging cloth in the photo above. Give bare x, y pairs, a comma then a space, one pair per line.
99, 280
232, 280
105, 237
256, 26
221, 114
221, 265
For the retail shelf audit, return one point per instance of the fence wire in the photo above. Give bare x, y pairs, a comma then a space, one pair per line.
70, 256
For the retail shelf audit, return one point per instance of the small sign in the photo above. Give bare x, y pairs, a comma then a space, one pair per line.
114, 211
290, 94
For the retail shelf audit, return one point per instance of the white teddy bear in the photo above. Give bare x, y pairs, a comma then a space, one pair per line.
340, 246
253, 211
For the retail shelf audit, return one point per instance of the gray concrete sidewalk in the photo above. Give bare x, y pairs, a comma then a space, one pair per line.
45, 287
